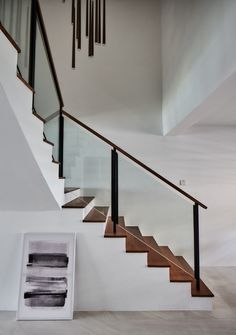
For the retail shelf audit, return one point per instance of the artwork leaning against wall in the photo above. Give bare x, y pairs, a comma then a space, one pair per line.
47, 277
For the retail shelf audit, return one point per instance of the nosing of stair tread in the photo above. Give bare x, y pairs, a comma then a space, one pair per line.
79, 202
97, 214
70, 189
168, 253
134, 241
204, 290
11, 40
119, 232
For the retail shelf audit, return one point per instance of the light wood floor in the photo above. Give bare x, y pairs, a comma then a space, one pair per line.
221, 321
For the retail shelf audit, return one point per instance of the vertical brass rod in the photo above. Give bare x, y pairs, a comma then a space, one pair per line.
99, 21
72, 11
96, 22
78, 24
87, 18
73, 34
91, 29
104, 23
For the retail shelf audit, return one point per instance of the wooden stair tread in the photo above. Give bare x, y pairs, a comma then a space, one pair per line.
204, 290
97, 214
120, 233
155, 259
177, 272
134, 240
70, 189
80, 202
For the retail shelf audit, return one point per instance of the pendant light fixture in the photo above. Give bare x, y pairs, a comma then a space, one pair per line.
95, 25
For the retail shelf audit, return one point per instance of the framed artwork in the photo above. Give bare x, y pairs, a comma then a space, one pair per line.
47, 277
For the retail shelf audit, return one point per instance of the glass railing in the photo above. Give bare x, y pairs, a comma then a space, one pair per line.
87, 163
15, 17
159, 218
46, 102
157, 210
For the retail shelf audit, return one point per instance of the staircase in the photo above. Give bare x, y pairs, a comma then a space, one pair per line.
157, 279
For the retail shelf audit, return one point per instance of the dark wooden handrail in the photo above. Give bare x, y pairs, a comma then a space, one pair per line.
10, 39
135, 160
48, 51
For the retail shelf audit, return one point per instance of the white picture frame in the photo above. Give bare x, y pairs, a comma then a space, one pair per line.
47, 277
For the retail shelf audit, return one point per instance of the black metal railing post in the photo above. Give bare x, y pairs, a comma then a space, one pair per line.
196, 245
32, 45
61, 144
114, 189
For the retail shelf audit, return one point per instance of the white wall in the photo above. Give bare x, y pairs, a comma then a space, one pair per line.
121, 86
198, 53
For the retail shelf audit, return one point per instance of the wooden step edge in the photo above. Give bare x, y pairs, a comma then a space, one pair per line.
155, 259
38, 116
70, 189
204, 290
10, 39
178, 274
48, 142
165, 250
55, 162
185, 265
61, 177
135, 242
72, 204
96, 215
25, 82
120, 233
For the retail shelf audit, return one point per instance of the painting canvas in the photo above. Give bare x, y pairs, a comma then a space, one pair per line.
47, 278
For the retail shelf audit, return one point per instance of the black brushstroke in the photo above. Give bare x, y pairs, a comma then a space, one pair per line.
45, 279
45, 299
51, 260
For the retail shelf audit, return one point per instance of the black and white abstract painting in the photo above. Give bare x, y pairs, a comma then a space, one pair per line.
47, 280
